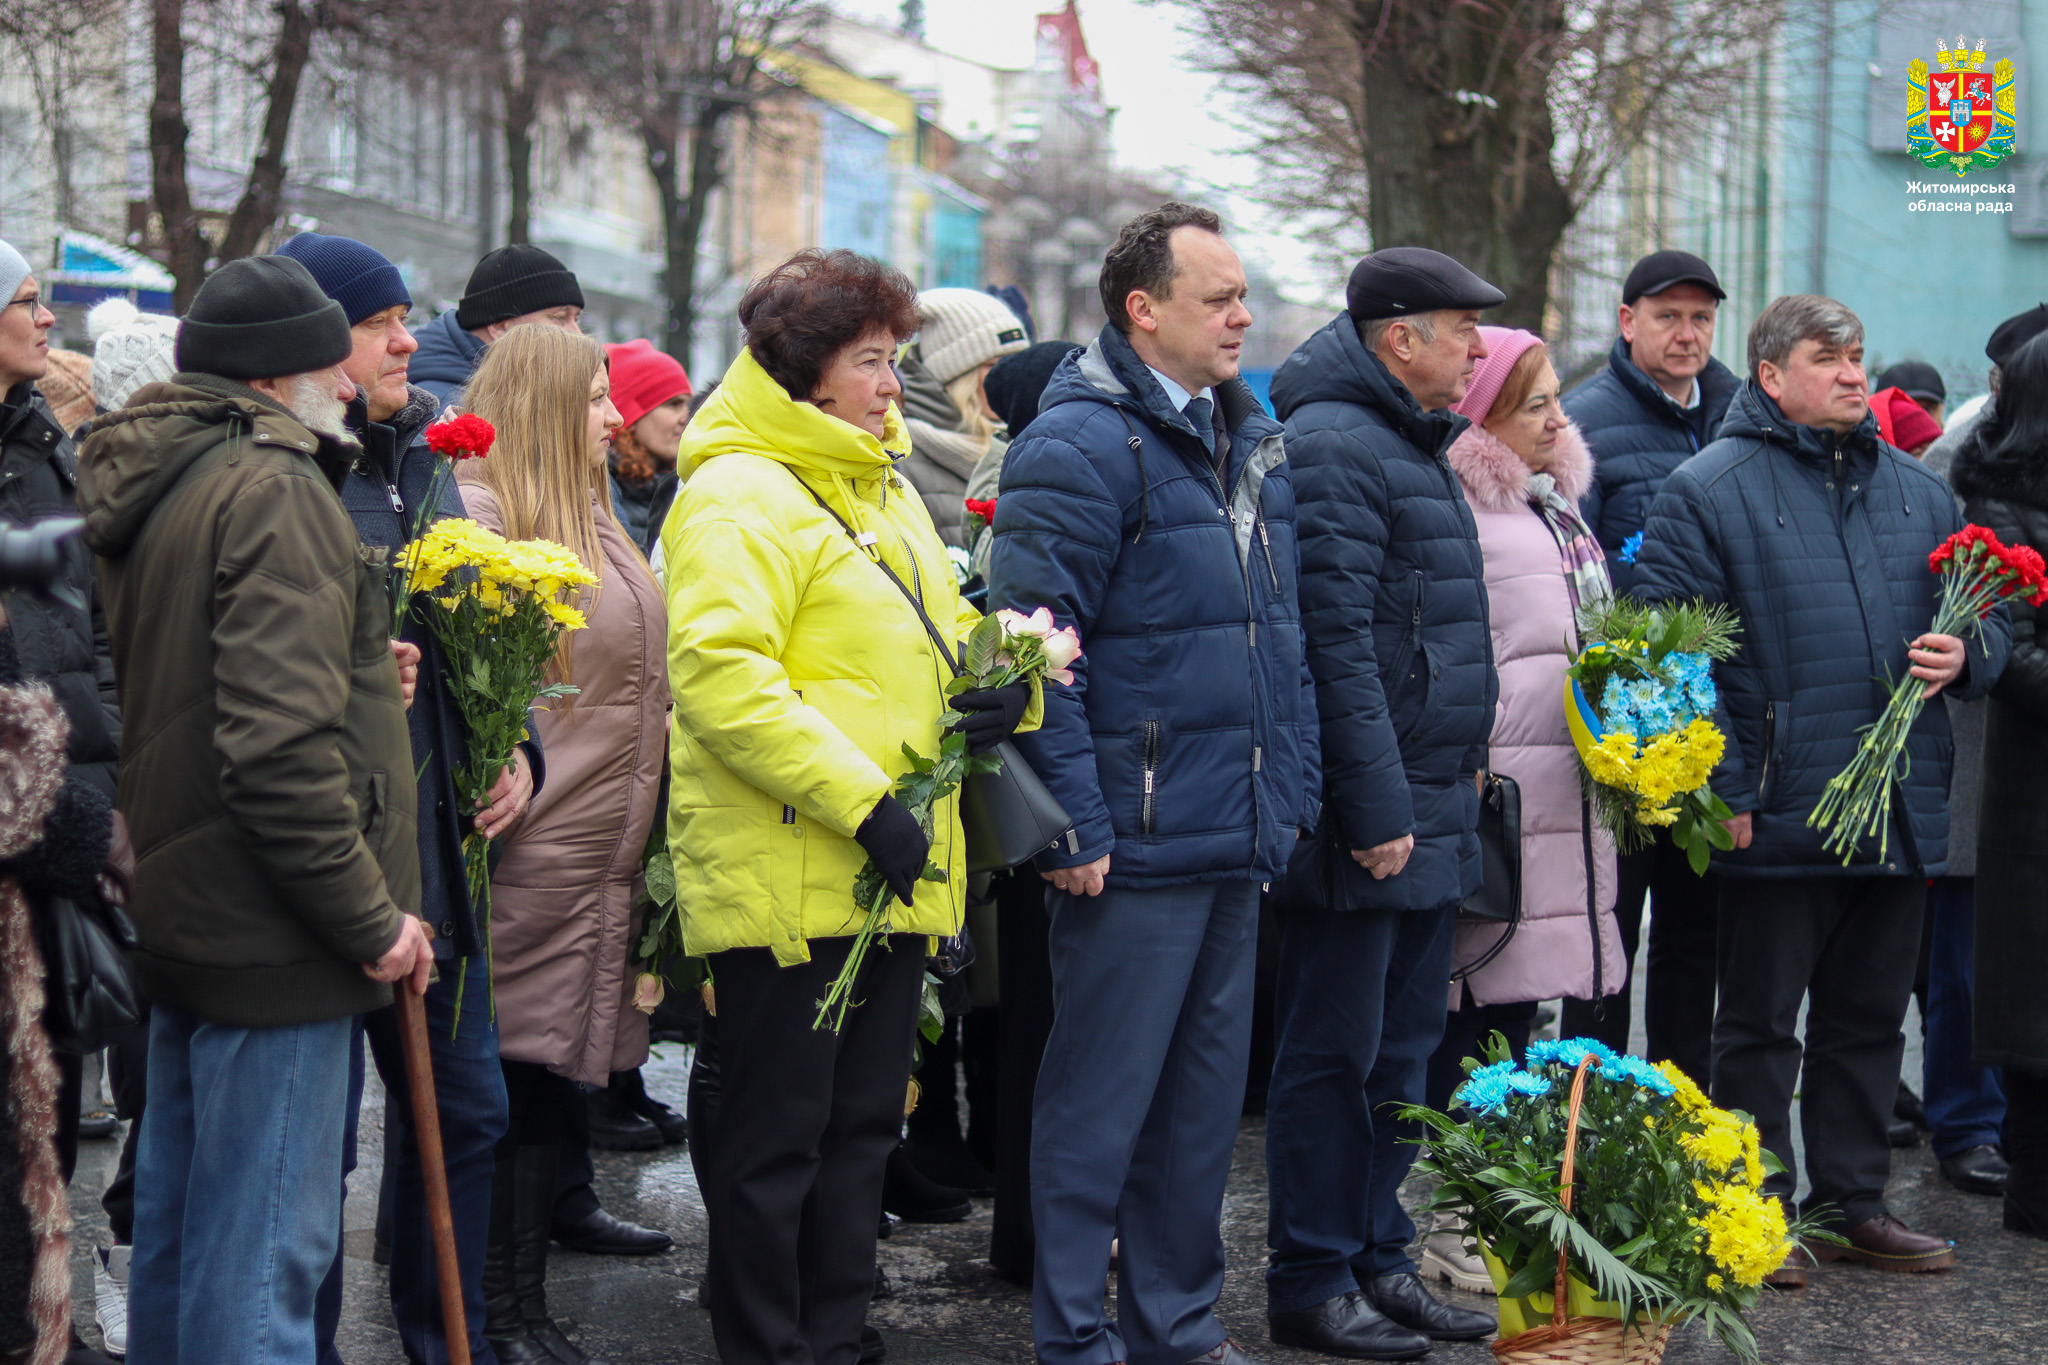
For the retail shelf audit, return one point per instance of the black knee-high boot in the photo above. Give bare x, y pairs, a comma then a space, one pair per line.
504, 1317
2026, 1146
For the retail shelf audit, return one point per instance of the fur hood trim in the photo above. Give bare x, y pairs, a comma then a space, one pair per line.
1497, 479
1977, 472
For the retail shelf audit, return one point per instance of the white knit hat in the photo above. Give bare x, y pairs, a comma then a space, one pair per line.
959, 329
130, 348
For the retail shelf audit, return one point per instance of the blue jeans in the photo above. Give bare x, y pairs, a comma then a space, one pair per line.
237, 1190
469, 1094
1360, 1006
1965, 1103
1136, 1115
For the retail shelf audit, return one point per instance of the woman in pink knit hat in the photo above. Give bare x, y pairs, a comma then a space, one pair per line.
1523, 467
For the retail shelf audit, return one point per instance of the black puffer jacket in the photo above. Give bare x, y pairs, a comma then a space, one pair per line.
1820, 543
1638, 436
1393, 600
60, 639
2010, 495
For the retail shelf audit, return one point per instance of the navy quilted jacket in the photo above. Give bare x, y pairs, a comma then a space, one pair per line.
1393, 597
1637, 436
1820, 543
1185, 747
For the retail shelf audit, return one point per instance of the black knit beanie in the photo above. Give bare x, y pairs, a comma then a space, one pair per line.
512, 282
262, 317
1018, 381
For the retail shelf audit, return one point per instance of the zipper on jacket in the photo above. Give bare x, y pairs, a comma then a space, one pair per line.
789, 812
1151, 773
1271, 572
1770, 747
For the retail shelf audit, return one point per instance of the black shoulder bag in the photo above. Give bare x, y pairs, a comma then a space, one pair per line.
1499, 897
91, 994
1008, 816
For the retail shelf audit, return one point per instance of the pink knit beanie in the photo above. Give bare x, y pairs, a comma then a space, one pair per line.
1504, 346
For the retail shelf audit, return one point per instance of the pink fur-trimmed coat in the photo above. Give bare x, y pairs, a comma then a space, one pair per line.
1534, 639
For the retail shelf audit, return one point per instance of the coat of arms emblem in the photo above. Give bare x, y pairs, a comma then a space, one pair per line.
1962, 117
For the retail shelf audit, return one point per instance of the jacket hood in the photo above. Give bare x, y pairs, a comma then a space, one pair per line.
1755, 415
1717, 383
1333, 366
753, 414
133, 457
924, 397
1109, 371
448, 353
1981, 471
1497, 479
407, 424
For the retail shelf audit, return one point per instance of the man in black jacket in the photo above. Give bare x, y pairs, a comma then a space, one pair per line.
1393, 599
382, 493
1818, 534
1660, 398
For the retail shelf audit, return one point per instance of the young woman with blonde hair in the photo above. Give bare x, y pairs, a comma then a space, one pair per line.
561, 926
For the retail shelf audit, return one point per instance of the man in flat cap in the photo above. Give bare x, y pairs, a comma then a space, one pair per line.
1393, 602
1659, 400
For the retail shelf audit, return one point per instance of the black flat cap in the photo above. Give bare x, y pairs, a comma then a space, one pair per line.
1918, 378
1413, 279
1662, 270
2015, 332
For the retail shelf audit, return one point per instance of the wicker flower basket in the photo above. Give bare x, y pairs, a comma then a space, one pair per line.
1570, 1339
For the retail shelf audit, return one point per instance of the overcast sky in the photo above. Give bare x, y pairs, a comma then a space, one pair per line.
1168, 116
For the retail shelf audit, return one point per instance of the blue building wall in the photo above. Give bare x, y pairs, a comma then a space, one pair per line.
1928, 285
859, 184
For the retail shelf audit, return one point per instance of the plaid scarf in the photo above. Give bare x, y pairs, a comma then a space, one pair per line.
1585, 566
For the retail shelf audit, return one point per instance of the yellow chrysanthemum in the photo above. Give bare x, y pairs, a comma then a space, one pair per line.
1745, 1231
1689, 1098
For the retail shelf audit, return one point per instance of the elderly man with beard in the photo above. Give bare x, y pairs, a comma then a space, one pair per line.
264, 773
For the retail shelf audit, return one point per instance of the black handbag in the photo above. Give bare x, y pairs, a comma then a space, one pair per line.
1499, 897
1008, 816
90, 989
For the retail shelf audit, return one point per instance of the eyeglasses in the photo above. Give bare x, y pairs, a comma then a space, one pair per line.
34, 304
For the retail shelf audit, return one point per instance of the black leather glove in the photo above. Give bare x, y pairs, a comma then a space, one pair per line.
898, 844
991, 714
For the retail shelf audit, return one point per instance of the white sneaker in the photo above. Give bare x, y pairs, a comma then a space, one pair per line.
1444, 1258
110, 1298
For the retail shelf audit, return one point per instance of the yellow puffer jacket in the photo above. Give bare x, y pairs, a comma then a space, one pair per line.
799, 671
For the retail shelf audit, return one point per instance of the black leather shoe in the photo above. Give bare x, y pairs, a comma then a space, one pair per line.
1346, 1326
633, 1098
1977, 1170
1901, 1133
600, 1234
1403, 1299
1908, 1106
908, 1194
617, 1127
872, 1347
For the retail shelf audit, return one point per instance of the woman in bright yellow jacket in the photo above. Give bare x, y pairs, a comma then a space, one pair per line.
800, 671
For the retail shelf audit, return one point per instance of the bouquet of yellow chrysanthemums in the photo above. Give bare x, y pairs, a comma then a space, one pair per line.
1637, 702
1661, 1213
496, 608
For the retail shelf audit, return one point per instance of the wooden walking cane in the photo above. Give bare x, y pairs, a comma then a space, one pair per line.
426, 1127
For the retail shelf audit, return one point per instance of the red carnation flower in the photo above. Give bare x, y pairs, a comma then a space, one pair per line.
467, 437
985, 508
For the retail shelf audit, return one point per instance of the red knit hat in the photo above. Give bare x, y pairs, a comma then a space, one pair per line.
1901, 420
643, 379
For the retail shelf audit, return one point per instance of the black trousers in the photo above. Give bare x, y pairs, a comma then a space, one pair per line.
1847, 946
1024, 1022
1678, 992
806, 1121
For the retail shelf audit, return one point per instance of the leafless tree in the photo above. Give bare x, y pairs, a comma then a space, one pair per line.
680, 74
1477, 127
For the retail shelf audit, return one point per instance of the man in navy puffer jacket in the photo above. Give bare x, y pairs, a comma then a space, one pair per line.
1158, 521
1393, 597
1817, 533
1659, 400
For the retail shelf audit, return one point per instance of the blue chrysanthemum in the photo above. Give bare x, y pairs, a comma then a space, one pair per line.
1630, 548
1490, 1087
1639, 1073
1568, 1052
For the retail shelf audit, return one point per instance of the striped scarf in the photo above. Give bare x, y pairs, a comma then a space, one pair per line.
1585, 566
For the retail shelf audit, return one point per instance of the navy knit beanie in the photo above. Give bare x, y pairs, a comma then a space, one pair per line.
514, 281
357, 277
